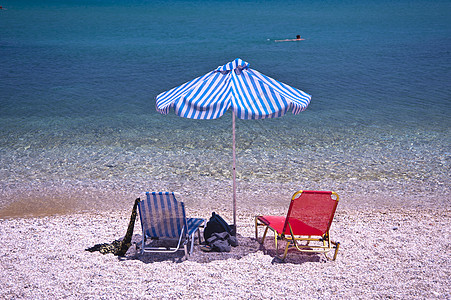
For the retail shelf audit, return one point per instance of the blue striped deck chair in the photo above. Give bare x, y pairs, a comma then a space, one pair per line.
163, 218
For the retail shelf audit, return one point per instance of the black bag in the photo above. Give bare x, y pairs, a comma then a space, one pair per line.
216, 224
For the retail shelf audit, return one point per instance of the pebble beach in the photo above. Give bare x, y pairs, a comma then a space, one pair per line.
387, 251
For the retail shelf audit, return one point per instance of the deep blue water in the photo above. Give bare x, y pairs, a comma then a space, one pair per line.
377, 59
87, 72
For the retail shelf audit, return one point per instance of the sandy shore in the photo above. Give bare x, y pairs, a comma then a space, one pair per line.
401, 253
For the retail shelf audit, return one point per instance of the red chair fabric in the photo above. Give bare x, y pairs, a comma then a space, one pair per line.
308, 219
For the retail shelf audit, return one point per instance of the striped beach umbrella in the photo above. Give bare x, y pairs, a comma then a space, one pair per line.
250, 95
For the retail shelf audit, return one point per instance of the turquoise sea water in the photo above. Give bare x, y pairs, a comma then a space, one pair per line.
78, 81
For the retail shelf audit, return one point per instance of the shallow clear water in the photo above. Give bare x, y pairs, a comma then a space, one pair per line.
79, 80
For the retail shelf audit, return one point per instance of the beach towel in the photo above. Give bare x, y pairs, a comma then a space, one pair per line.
119, 247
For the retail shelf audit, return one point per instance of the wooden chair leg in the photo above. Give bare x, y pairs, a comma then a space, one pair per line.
286, 250
256, 229
337, 245
276, 244
264, 234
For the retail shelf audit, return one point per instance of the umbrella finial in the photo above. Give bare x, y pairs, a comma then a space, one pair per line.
238, 63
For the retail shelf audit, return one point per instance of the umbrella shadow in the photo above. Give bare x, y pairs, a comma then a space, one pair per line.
246, 246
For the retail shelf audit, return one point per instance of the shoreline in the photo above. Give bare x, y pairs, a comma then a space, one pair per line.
66, 197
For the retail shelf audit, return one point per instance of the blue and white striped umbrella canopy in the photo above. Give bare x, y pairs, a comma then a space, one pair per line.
250, 94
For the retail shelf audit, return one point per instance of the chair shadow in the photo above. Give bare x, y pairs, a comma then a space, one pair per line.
293, 256
245, 247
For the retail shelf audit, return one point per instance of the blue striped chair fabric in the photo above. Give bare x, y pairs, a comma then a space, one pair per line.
163, 217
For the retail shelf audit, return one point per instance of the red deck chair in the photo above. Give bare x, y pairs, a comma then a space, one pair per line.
306, 226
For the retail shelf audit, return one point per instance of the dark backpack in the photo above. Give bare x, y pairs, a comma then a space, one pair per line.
216, 224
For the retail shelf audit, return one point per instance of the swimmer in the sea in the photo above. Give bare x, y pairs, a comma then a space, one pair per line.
298, 38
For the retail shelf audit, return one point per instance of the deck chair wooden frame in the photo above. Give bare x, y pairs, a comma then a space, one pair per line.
306, 226
163, 218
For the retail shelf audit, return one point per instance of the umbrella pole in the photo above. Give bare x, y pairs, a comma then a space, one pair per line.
234, 171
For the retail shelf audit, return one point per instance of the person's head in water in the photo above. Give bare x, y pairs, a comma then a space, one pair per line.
298, 37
